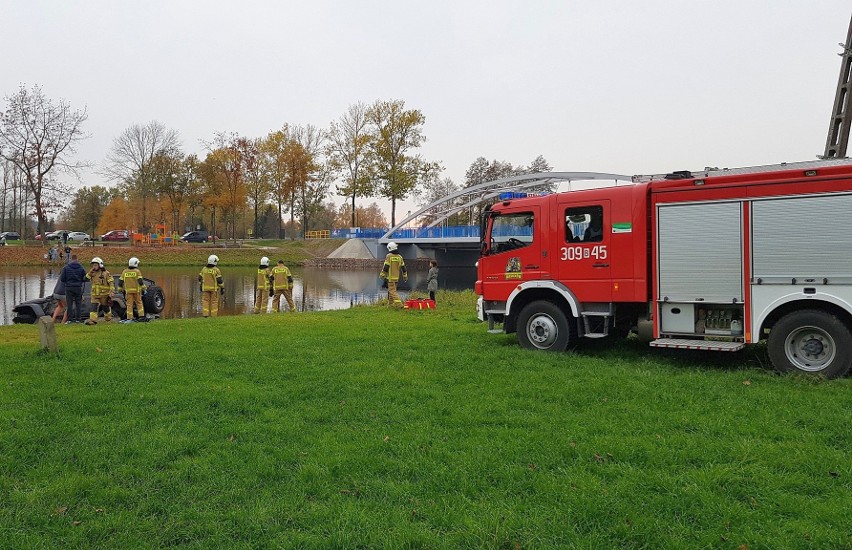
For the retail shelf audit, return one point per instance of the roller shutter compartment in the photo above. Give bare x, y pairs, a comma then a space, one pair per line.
700, 252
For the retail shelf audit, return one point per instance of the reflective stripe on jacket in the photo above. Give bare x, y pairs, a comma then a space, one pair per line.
102, 283
394, 267
263, 275
281, 277
211, 279
131, 280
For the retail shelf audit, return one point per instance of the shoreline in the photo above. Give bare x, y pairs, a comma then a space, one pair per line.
361, 263
294, 253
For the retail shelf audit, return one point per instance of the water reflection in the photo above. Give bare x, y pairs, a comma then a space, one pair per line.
315, 289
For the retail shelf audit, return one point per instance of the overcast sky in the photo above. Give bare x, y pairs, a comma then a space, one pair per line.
610, 86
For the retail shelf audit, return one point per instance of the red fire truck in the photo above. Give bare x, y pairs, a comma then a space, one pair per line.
708, 261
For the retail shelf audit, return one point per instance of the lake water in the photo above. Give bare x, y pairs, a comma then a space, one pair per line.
315, 289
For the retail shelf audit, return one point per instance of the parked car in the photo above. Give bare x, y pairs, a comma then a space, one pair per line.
154, 301
195, 237
10, 236
79, 236
56, 235
116, 235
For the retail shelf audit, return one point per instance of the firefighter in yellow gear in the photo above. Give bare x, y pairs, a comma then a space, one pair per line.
263, 292
131, 284
282, 285
212, 286
102, 291
392, 270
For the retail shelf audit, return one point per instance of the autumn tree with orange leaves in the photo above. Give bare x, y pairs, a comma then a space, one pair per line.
224, 177
116, 215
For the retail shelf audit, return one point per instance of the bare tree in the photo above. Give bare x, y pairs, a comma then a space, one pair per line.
129, 161
37, 136
16, 196
349, 154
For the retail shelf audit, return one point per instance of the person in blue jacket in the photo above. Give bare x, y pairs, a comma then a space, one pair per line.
73, 275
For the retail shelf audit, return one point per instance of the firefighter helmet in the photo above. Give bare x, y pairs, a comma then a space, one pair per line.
264, 261
97, 260
392, 246
133, 262
213, 259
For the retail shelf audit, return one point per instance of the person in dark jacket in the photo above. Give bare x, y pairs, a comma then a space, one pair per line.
73, 275
432, 279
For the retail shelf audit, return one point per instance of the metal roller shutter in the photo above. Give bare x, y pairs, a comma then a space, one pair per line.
802, 237
700, 252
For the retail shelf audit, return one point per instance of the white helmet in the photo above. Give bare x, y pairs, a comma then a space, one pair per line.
133, 262
392, 246
213, 259
97, 260
264, 261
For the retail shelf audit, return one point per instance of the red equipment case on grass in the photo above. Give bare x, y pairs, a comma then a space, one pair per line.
420, 304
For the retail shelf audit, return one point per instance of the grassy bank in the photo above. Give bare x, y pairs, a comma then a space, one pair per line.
249, 253
381, 428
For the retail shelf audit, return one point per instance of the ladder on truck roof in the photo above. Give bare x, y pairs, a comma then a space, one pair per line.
841, 118
709, 172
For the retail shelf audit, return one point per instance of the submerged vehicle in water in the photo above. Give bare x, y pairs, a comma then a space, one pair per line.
154, 300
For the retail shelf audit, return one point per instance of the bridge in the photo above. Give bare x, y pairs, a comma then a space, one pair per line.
459, 245
440, 210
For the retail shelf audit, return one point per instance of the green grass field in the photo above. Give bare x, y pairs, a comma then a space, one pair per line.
378, 428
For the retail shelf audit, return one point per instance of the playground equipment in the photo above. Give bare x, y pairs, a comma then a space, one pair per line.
160, 236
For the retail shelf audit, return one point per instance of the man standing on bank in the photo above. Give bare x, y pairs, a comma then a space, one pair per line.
212, 285
393, 267
282, 284
73, 275
263, 291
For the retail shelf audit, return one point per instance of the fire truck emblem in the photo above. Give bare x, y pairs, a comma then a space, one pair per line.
513, 268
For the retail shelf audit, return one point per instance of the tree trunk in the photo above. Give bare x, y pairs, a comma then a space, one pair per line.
292, 217
255, 221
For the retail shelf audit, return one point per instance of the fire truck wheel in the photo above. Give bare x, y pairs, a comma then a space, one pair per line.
542, 325
811, 341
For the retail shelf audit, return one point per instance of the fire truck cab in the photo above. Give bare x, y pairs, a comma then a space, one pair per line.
713, 260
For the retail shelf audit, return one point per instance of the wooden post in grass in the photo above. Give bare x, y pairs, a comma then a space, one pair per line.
47, 331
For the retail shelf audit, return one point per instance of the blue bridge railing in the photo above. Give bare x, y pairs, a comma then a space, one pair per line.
451, 232
358, 233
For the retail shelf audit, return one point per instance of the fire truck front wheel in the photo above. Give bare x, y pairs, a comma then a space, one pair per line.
811, 341
542, 325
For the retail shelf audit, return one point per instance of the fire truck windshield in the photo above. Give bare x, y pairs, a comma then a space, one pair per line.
510, 231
